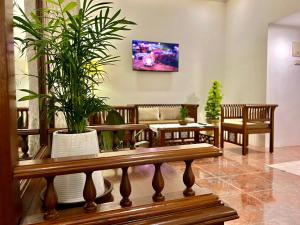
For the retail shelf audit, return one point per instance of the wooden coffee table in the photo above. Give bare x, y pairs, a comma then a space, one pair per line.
175, 134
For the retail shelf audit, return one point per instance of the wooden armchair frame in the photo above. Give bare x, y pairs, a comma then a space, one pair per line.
246, 119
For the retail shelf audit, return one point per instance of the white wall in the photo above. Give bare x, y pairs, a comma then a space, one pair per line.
283, 84
198, 26
246, 46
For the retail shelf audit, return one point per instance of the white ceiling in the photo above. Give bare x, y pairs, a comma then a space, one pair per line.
292, 20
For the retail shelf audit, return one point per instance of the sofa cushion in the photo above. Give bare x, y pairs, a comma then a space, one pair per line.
169, 113
148, 113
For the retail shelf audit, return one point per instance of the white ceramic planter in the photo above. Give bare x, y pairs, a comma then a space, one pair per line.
69, 188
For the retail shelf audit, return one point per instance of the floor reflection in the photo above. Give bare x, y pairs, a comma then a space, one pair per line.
261, 195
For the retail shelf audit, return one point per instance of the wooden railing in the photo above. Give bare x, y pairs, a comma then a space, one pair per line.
50, 168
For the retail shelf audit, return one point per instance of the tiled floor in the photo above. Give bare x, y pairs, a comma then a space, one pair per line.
261, 195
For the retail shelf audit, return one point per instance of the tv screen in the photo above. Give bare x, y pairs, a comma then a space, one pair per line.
155, 56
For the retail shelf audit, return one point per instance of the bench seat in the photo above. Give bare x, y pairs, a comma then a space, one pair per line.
189, 120
238, 123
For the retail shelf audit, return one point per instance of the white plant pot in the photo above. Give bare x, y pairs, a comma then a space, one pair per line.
69, 188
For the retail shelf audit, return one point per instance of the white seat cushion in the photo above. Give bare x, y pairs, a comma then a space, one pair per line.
190, 120
169, 113
148, 113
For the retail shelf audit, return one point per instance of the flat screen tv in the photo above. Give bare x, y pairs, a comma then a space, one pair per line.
155, 56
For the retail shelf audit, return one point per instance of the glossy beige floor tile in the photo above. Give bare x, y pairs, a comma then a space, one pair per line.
261, 195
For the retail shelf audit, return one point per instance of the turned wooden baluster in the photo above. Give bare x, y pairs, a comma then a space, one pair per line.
50, 200
188, 179
125, 188
89, 193
115, 141
158, 184
24, 146
132, 140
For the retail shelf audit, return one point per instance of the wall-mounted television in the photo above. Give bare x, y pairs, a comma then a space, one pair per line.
155, 56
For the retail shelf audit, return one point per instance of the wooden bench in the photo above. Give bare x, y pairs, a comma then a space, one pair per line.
240, 120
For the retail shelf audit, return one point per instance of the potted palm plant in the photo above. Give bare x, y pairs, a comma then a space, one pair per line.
77, 46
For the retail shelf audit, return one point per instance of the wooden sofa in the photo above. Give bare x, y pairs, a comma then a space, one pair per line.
240, 120
161, 113
147, 114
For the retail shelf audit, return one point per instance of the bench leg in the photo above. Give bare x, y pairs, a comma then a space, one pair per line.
271, 141
245, 144
222, 138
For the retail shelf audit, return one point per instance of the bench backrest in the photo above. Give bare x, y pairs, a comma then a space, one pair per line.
192, 108
127, 112
130, 112
248, 112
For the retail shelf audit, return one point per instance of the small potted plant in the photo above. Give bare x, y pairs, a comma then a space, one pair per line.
183, 115
77, 45
213, 103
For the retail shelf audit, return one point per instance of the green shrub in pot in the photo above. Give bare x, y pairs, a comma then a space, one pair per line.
213, 103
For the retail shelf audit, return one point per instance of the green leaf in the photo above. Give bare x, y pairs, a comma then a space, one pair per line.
29, 97
114, 16
70, 6
52, 2
28, 91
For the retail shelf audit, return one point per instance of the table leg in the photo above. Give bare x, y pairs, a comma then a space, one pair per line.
216, 137
197, 136
132, 140
162, 137
150, 132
